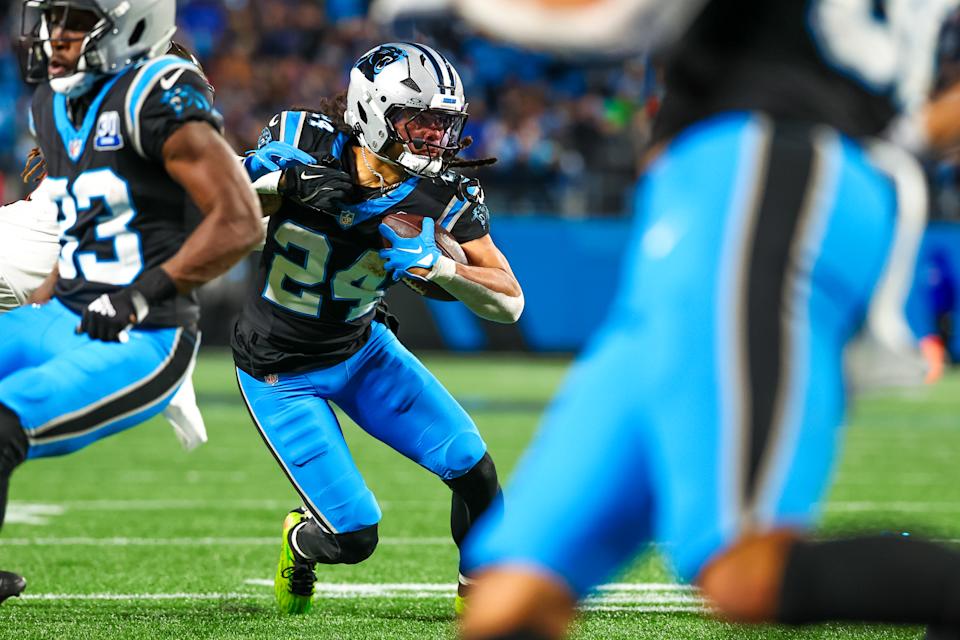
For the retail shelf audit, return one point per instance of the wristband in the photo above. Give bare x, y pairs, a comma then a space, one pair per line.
155, 285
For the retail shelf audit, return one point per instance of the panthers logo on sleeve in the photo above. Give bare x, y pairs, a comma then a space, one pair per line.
183, 97
379, 59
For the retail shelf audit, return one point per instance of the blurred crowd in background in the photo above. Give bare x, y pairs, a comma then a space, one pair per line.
567, 134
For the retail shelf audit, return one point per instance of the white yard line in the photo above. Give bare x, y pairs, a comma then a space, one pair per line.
902, 506
633, 597
619, 588
215, 505
644, 606
56, 509
193, 542
136, 596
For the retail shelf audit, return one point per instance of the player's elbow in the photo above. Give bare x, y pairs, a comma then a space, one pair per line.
506, 310
248, 224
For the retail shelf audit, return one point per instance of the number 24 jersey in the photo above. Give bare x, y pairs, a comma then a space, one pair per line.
320, 277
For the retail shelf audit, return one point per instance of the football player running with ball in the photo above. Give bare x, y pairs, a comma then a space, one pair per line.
314, 332
130, 140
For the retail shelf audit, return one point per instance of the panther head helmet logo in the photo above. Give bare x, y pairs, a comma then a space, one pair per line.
379, 59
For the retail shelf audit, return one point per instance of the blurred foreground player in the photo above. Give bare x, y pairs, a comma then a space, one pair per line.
715, 391
314, 333
130, 139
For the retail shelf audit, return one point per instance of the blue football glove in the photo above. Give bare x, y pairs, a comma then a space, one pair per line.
274, 156
408, 253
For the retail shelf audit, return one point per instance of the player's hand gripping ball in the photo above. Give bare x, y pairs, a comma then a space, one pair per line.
409, 239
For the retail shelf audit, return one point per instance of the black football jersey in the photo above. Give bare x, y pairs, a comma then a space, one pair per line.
788, 58
120, 213
321, 279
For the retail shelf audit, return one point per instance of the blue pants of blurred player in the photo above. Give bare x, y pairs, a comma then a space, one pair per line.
69, 390
710, 403
935, 295
390, 395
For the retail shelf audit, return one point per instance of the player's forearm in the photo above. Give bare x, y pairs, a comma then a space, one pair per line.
203, 163
226, 235
489, 292
43, 293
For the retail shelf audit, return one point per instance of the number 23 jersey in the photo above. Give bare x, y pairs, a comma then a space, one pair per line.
119, 212
320, 277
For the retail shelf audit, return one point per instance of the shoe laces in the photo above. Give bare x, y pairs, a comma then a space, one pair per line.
301, 577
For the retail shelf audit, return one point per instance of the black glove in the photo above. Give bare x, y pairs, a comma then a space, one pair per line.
316, 186
109, 315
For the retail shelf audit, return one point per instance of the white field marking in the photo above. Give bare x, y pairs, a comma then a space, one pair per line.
41, 510
136, 596
193, 542
451, 589
646, 609
903, 505
218, 505
33, 514
608, 597
641, 607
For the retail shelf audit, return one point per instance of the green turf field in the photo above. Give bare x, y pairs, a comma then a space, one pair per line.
134, 538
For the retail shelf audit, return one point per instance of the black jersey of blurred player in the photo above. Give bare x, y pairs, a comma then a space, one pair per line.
320, 278
120, 213
767, 55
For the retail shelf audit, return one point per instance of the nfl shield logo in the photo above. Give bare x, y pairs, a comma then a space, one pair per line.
76, 148
346, 218
271, 378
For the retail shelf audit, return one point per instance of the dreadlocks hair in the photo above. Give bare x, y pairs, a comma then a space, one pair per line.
35, 168
334, 107
461, 163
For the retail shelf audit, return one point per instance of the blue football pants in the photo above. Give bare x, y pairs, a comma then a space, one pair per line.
710, 402
390, 395
69, 390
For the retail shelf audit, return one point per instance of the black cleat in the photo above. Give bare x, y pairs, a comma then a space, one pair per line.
11, 585
942, 633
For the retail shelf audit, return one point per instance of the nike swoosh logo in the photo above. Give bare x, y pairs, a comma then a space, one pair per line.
167, 83
305, 176
416, 251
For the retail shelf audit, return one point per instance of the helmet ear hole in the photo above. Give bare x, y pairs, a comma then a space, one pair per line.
137, 32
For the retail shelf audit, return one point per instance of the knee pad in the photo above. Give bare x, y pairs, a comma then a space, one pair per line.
479, 482
13, 442
357, 546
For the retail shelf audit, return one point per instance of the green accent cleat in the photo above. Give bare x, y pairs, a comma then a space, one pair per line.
460, 601
459, 606
293, 583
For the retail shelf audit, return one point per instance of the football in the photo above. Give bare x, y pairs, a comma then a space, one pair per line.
407, 225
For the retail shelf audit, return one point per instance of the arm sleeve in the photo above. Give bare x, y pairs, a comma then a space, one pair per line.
175, 97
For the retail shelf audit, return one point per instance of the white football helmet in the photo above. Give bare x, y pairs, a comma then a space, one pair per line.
118, 33
405, 103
